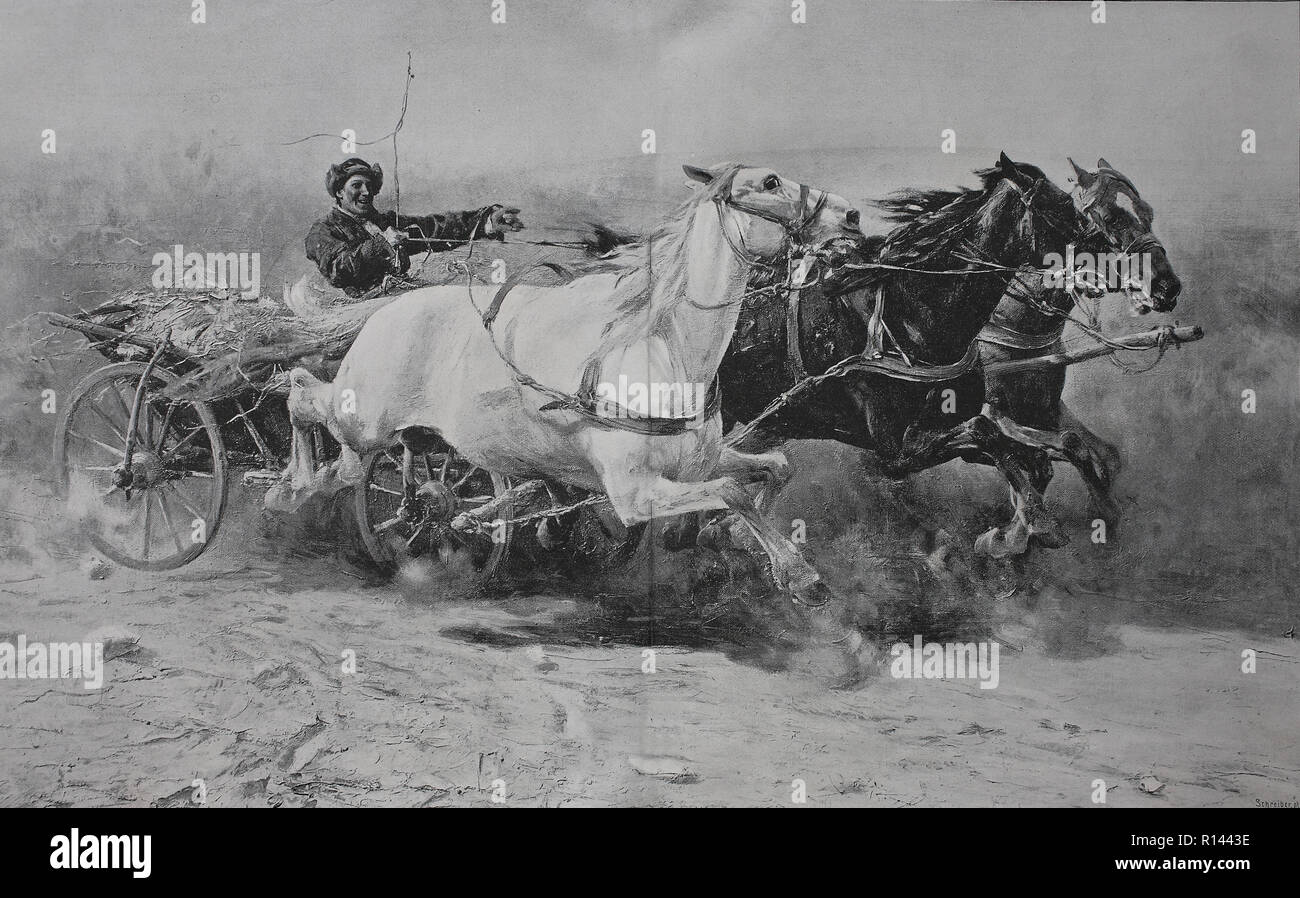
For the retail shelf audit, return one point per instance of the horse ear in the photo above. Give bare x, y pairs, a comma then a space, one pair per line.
1102, 163
703, 175
1006, 166
1082, 176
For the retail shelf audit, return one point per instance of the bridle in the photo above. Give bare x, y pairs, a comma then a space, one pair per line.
794, 229
1144, 242
794, 245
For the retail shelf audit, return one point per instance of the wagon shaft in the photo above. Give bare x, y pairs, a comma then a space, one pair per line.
1146, 340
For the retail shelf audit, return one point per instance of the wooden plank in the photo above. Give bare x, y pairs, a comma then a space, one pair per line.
1146, 340
110, 334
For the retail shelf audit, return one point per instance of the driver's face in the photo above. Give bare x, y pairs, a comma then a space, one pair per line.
355, 196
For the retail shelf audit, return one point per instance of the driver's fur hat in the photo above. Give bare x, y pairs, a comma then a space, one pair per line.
338, 174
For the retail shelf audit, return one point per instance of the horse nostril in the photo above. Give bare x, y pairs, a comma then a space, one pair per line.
853, 217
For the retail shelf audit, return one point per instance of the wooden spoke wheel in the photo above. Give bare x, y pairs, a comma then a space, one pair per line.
164, 509
449, 485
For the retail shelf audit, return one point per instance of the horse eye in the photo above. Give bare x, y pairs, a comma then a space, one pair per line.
771, 182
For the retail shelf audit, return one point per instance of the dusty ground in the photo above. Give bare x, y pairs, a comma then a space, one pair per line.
230, 671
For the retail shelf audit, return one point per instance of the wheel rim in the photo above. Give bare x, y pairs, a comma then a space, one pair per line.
450, 484
171, 507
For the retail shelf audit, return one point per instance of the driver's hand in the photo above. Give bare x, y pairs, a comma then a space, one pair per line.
394, 237
505, 218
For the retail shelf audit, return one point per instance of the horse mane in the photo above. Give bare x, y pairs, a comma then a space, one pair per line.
650, 271
932, 223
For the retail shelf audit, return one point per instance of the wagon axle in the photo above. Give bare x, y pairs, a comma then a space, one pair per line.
433, 502
145, 470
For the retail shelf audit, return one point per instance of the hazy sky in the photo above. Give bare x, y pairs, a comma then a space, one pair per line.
566, 80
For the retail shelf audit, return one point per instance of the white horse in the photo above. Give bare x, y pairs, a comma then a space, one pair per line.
661, 311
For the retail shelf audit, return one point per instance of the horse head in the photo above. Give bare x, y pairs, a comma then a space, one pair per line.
1024, 215
1111, 205
764, 215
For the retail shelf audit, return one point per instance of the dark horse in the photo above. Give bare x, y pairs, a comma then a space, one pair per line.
917, 301
1030, 319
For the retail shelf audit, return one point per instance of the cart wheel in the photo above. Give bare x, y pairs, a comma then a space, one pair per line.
451, 485
170, 508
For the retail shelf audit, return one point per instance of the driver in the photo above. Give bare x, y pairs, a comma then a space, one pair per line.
355, 246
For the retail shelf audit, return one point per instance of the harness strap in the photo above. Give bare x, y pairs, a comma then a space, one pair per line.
1000, 335
513, 281
900, 369
584, 404
875, 347
793, 315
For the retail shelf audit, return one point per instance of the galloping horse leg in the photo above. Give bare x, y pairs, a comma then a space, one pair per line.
415, 441
979, 440
771, 470
638, 499
1058, 444
1098, 463
299, 478
1049, 445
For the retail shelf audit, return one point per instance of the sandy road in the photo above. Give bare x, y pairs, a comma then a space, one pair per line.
231, 672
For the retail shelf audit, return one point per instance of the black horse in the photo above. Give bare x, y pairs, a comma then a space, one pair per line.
916, 300
1030, 319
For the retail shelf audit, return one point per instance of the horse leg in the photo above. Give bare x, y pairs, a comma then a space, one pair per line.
298, 479
641, 498
1098, 463
1029, 516
350, 470
1057, 444
978, 439
770, 469
1047, 446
